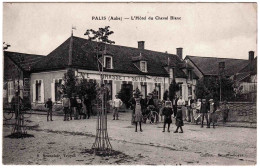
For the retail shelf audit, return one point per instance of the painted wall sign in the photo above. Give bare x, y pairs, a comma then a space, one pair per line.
119, 77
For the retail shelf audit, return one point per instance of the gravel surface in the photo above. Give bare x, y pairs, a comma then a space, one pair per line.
69, 142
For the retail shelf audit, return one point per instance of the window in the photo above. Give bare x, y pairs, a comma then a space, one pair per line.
10, 90
158, 90
57, 87
108, 62
144, 90
189, 75
38, 90
143, 66
180, 87
171, 73
108, 85
189, 90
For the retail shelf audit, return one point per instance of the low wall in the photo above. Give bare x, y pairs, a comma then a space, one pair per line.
241, 112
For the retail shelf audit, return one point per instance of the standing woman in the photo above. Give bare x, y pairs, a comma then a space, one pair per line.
198, 107
138, 112
194, 111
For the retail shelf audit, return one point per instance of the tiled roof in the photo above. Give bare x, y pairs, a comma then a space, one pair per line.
24, 61
209, 65
83, 56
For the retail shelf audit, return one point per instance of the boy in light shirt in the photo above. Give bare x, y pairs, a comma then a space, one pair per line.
116, 103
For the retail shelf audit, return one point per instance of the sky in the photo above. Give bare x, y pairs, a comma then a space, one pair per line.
227, 30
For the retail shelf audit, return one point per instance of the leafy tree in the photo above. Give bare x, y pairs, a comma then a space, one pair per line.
208, 88
84, 87
125, 95
174, 87
69, 85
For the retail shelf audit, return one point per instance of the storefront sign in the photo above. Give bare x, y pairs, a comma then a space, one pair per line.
132, 78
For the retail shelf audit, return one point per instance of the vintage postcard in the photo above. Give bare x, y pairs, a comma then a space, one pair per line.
129, 84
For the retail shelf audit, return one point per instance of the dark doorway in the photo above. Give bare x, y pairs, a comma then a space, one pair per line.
126, 93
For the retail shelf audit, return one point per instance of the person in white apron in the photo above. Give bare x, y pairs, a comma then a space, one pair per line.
138, 113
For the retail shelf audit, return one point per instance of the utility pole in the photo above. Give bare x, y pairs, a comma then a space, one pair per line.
221, 73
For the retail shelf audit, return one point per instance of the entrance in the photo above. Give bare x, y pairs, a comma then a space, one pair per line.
126, 93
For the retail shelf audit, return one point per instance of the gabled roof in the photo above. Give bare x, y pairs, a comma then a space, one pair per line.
83, 56
209, 65
245, 73
22, 60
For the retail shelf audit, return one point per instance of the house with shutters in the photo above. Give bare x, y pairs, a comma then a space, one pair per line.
123, 67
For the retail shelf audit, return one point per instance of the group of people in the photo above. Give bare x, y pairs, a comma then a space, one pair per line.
78, 107
200, 110
191, 111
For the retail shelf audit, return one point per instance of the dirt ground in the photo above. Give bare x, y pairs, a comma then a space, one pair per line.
64, 143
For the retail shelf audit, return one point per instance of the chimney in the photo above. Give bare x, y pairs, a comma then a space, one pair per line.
141, 45
221, 66
251, 58
179, 52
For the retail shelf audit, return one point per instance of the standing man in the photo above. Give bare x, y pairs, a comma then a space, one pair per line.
66, 106
87, 104
181, 103
204, 111
174, 102
14, 103
117, 103
225, 110
73, 105
48, 105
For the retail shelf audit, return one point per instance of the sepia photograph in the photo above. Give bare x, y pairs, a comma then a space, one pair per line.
129, 83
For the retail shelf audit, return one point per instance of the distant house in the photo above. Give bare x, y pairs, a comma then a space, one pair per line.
246, 79
17, 66
205, 67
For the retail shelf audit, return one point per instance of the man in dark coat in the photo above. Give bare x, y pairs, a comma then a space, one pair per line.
204, 110
174, 102
49, 105
73, 105
16, 103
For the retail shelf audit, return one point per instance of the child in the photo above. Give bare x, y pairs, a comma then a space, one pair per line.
116, 103
48, 105
79, 107
212, 113
167, 112
138, 113
179, 120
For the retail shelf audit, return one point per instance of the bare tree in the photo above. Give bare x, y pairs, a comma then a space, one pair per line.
102, 144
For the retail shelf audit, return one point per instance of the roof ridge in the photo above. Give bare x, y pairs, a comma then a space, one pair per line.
215, 57
25, 53
130, 47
